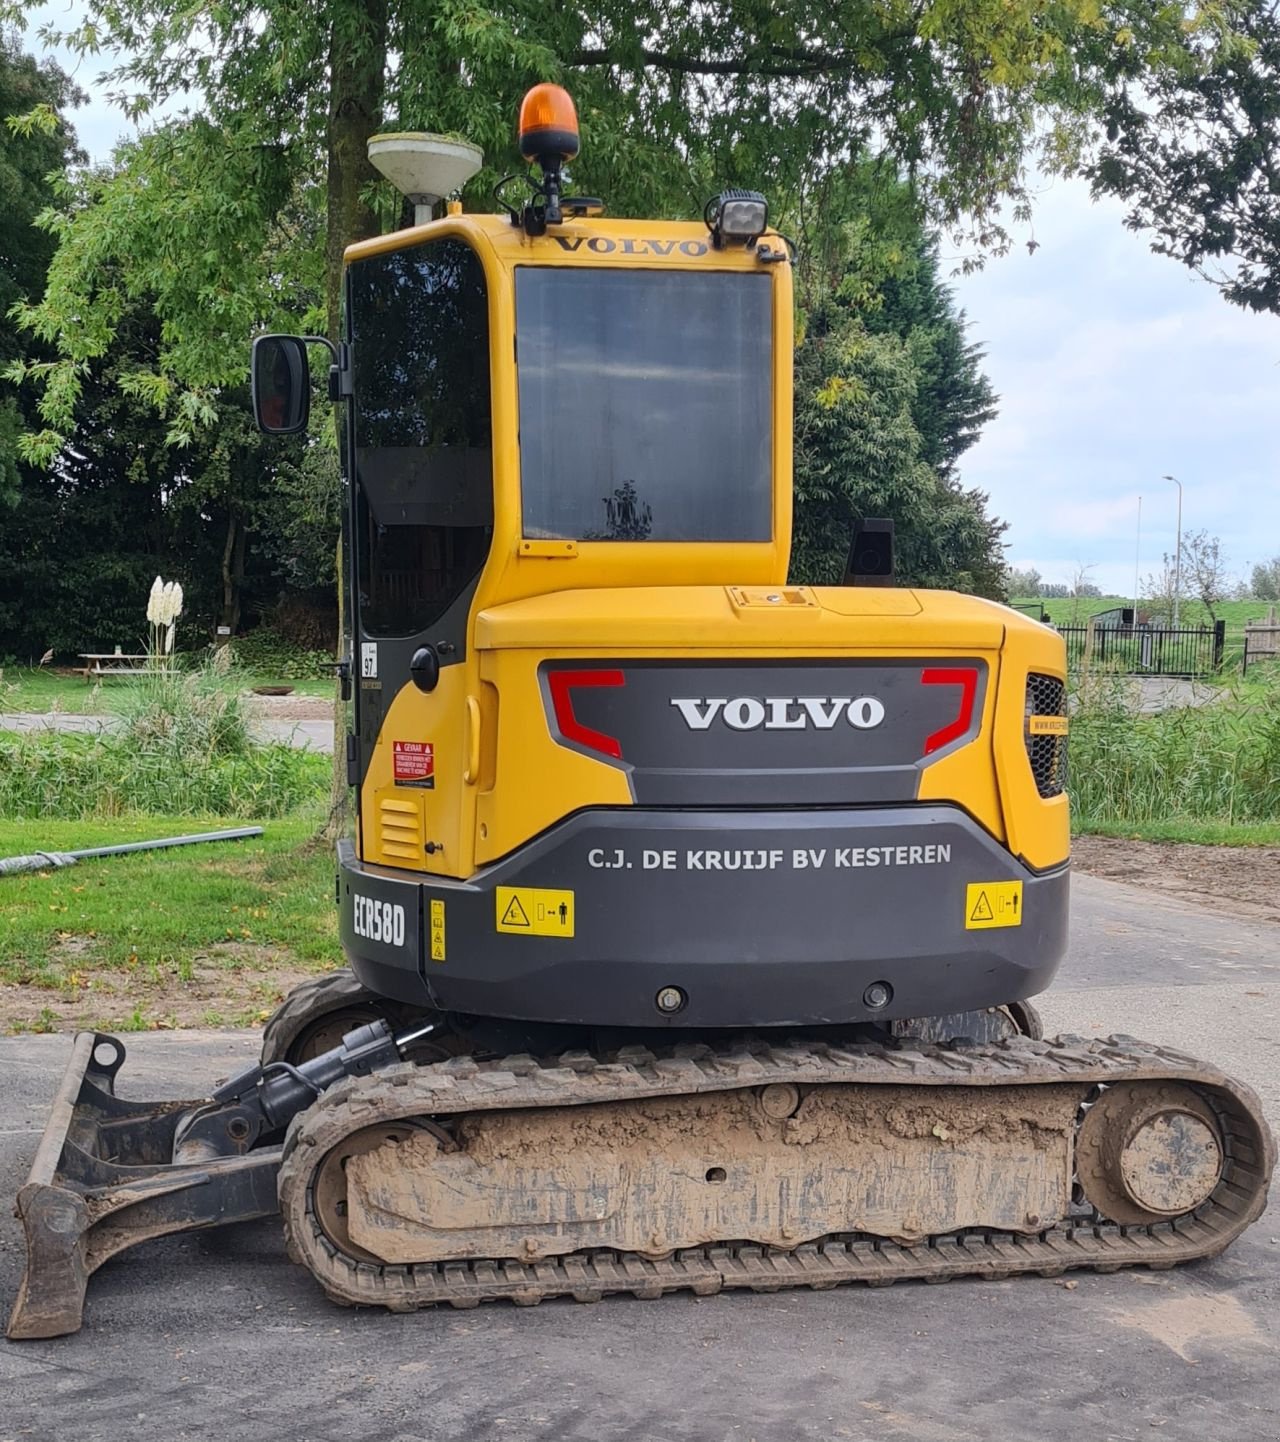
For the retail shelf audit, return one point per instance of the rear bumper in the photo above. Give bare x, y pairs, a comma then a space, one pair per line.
760, 918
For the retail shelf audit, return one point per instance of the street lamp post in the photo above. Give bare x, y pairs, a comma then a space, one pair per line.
1177, 555
1137, 555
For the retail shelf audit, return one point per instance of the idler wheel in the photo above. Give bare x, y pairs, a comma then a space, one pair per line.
329, 1183
1148, 1151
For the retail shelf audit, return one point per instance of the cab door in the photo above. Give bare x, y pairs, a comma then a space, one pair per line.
420, 459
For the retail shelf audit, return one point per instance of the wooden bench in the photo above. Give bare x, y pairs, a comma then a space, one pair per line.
114, 663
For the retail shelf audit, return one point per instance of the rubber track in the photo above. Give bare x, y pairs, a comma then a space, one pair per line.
313, 1000
464, 1085
309, 1001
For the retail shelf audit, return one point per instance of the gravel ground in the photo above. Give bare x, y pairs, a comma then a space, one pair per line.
1239, 880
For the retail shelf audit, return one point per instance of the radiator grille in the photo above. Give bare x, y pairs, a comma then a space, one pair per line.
1046, 696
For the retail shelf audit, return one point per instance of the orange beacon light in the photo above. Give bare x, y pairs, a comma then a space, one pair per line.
548, 126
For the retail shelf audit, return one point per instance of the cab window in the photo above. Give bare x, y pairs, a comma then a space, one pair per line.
646, 404
423, 446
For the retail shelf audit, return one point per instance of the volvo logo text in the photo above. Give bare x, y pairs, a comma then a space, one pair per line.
780, 713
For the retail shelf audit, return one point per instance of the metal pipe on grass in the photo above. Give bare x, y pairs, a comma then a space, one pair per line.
44, 860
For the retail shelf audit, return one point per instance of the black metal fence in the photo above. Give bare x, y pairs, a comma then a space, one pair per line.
1147, 650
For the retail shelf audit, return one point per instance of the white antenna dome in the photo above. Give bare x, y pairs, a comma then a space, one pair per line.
424, 167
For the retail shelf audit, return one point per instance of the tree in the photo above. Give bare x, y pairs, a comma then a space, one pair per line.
954, 399
859, 453
1204, 570
1023, 581
1191, 148
220, 217
1265, 581
889, 392
29, 154
237, 219
1161, 589
86, 537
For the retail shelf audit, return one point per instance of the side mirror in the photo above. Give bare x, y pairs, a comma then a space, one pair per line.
281, 384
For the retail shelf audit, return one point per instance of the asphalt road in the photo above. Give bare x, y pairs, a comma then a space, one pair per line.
219, 1336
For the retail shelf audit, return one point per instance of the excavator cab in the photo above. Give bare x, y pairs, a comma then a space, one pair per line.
607, 756
690, 911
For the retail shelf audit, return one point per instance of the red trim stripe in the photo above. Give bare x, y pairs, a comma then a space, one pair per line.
563, 684
966, 677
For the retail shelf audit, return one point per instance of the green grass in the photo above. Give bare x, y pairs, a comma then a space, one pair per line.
1200, 833
44, 689
1187, 773
198, 934
1068, 611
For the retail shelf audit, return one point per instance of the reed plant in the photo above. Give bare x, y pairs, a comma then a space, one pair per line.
1217, 762
47, 774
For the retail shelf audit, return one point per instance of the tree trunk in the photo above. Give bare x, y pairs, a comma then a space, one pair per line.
357, 62
237, 574
232, 575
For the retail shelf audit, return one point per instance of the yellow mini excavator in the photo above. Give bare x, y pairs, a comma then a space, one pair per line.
691, 915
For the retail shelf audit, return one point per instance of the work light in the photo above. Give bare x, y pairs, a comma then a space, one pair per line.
736, 217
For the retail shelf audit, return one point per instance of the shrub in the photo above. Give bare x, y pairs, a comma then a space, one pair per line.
65, 775
185, 714
267, 653
1217, 762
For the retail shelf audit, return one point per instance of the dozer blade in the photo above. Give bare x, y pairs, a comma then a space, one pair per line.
104, 1179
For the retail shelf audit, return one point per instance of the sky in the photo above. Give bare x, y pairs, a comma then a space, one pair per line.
1114, 367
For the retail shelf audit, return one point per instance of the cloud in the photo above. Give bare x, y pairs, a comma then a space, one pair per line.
1090, 519
1114, 367
99, 124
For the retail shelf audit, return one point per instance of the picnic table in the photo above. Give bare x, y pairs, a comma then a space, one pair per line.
114, 663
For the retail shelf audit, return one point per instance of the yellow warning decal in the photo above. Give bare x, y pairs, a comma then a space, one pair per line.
992, 903
1047, 725
534, 911
437, 931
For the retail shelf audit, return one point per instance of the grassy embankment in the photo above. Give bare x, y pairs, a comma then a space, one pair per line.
195, 936
1207, 774
1070, 611
44, 689
198, 936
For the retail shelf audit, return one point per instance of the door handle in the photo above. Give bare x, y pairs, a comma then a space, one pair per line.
472, 774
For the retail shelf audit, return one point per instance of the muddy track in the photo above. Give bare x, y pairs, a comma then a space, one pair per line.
464, 1087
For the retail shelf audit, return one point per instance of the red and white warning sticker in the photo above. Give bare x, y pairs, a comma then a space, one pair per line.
415, 763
